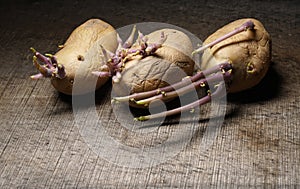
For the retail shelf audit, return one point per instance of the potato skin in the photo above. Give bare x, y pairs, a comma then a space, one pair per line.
249, 52
82, 50
158, 70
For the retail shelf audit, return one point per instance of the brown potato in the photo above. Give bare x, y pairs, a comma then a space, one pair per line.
249, 53
81, 54
169, 64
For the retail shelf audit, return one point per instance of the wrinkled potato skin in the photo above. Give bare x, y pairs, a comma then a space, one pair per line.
170, 64
249, 52
82, 50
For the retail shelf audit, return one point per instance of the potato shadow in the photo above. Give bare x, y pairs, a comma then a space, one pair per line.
183, 117
84, 101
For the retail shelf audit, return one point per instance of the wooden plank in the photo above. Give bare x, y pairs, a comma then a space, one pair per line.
41, 146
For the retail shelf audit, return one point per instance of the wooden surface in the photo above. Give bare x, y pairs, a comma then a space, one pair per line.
258, 144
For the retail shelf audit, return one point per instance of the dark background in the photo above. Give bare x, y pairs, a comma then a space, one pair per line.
258, 145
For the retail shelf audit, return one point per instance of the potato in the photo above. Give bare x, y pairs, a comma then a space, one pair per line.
169, 64
249, 53
79, 57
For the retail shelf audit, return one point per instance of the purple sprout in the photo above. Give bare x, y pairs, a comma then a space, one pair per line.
125, 52
47, 66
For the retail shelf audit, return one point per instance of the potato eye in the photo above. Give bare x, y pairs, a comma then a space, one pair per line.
80, 58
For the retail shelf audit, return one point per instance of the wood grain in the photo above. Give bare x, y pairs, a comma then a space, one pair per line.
258, 145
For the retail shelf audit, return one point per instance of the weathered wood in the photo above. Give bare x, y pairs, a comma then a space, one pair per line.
41, 146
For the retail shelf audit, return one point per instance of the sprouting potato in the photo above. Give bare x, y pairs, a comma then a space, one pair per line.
249, 53
235, 58
149, 63
80, 55
169, 54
